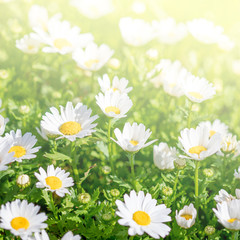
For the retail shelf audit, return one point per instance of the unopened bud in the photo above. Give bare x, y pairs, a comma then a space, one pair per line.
84, 198
107, 216
114, 63
180, 163
208, 172
209, 230
115, 192
106, 169
24, 109
167, 191
23, 181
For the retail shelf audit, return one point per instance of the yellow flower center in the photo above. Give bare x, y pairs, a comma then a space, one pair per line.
112, 109
19, 223
197, 150
19, 151
186, 216
61, 43
133, 142
53, 182
212, 132
90, 62
196, 95
231, 220
141, 218
30, 47
70, 128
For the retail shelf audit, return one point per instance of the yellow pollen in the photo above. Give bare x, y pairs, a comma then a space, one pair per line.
196, 95
133, 142
53, 182
61, 43
19, 223
115, 89
197, 150
30, 47
90, 62
212, 132
19, 151
112, 109
70, 128
186, 216
141, 218
231, 220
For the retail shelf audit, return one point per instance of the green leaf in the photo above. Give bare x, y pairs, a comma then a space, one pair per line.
57, 156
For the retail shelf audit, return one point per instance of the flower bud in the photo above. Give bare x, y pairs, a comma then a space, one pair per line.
24, 109
167, 191
152, 54
115, 192
23, 181
208, 172
84, 198
106, 169
209, 230
114, 63
107, 216
180, 163
3, 74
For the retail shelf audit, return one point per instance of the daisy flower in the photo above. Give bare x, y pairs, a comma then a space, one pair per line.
136, 32
229, 143
3, 122
71, 122
186, 216
198, 89
117, 84
133, 138
197, 144
93, 9
40, 236
22, 145
54, 180
168, 31
22, 218
5, 156
29, 44
38, 17
69, 236
164, 156
93, 57
141, 214
216, 127
228, 214
62, 38
223, 196
114, 104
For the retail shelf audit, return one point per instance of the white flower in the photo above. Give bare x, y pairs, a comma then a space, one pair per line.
152, 53
5, 156
133, 138
114, 104
223, 196
62, 38
93, 8
138, 7
3, 122
54, 180
198, 89
197, 144
164, 156
117, 84
216, 127
40, 236
237, 192
70, 123
205, 31
186, 216
225, 43
136, 32
23, 180
93, 57
22, 145
141, 214
38, 17
22, 218
229, 143
237, 173
168, 31
228, 214
29, 43
69, 236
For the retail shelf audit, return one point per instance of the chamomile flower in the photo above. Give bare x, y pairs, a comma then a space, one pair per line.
93, 57
62, 38
216, 127
69, 236
228, 214
164, 156
29, 44
205, 31
22, 145
38, 17
133, 138
22, 218
198, 89
168, 31
223, 196
54, 180
40, 236
136, 32
71, 122
141, 214
186, 216
93, 9
229, 143
3, 122
114, 104
197, 144
117, 84
5, 156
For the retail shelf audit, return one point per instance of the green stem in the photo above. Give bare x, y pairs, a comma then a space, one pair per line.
52, 205
131, 157
110, 145
74, 164
189, 120
175, 184
196, 182
235, 235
